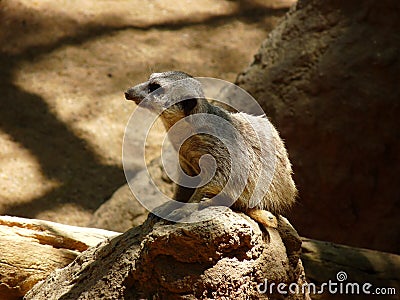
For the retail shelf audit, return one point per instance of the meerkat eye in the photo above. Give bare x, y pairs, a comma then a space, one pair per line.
153, 86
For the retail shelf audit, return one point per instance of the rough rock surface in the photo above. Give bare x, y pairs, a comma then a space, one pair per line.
123, 210
328, 77
227, 256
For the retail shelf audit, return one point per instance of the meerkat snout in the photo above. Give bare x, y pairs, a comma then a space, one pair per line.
127, 96
137, 93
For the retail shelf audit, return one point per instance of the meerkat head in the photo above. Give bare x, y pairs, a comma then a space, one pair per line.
173, 95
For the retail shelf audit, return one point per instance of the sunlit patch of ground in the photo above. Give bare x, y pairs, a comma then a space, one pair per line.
64, 68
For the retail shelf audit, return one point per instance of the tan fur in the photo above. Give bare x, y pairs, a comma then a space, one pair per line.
278, 194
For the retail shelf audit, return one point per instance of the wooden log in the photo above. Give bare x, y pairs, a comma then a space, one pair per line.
323, 261
31, 249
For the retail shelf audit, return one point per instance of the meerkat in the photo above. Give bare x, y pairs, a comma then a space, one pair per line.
177, 96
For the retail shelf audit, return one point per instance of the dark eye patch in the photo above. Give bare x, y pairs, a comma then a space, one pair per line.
153, 86
187, 105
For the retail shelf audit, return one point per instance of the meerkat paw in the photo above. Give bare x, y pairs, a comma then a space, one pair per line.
167, 208
187, 210
264, 217
183, 212
205, 202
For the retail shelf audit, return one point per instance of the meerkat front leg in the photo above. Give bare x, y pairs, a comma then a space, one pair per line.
183, 194
264, 217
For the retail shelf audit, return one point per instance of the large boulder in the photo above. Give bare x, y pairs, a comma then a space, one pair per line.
223, 258
328, 77
123, 210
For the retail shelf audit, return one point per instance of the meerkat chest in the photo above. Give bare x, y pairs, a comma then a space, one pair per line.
206, 156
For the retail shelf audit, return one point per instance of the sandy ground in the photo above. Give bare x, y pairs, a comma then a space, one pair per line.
64, 66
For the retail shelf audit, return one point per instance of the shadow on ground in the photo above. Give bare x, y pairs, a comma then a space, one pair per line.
63, 156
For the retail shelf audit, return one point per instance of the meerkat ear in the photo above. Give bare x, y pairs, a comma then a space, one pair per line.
188, 105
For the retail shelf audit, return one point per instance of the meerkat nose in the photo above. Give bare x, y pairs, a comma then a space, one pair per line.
127, 96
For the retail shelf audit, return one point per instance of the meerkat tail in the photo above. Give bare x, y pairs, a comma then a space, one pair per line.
263, 217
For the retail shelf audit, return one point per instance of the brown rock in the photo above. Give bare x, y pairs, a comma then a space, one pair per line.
328, 77
123, 211
226, 257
